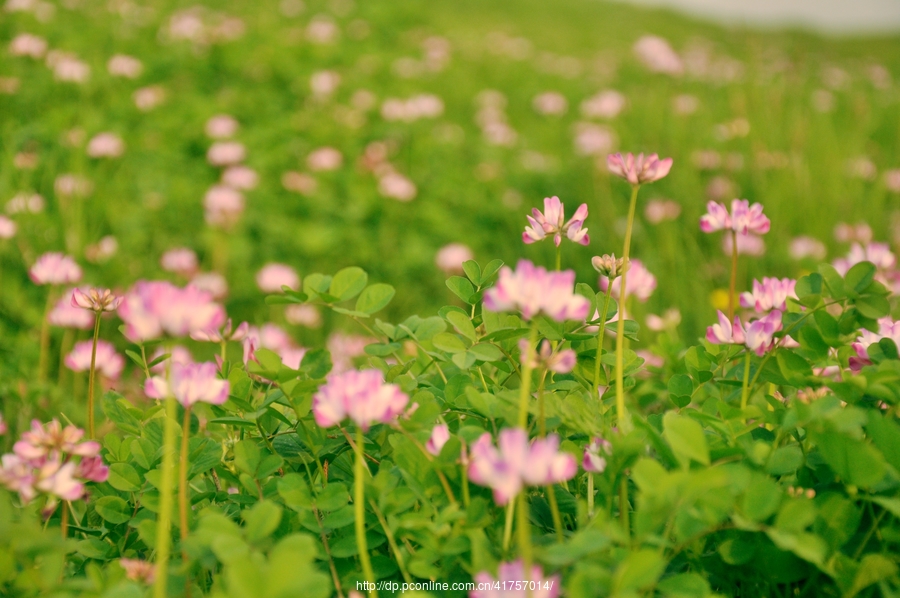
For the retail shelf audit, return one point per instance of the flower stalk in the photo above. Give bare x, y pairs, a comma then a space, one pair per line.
527, 368
622, 417
164, 522
359, 504
733, 283
183, 503
600, 340
92, 375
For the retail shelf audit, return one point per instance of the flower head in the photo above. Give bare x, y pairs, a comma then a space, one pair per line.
638, 170
725, 332
609, 266
533, 290
593, 461
361, 396
771, 293
440, 434
138, 570
551, 222
55, 268
887, 328
52, 440
225, 333
66, 314
151, 309
274, 276
744, 218
180, 260
190, 384
510, 577
109, 363
760, 334
452, 256
562, 361
96, 299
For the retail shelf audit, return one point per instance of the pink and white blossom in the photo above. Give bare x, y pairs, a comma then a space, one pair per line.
180, 260
552, 222
190, 384
640, 282
771, 293
151, 309
509, 583
440, 434
725, 332
361, 396
594, 460
273, 276
109, 364
532, 290
639, 169
54, 269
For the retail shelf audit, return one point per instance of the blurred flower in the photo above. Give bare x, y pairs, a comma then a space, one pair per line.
324, 83
803, 247
451, 257
685, 104
26, 160
743, 219
174, 354
273, 276
509, 583
109, 363
72, 185
275, 339
361, 396
121, 65
640, 284
151, 309
550, 103
593, 461
638, 170
759, 334
102, 250
605, 104
532, 290
322, 30
138, 570
190, 384
212, 283
661, 210
668, 321
55, 268
226, 153
892, 180
53, 440
223, 206
7, 228
303, 315
594, 140
25, 202
26, 44
105, 145
66, 315
658, 56
3, 428
148, 98
706, 159
225, 333
394, 185
551, 222
862, 167
180, 260
887, 328
769, 294
414, 108
562, 361
95, 299
877, 253
608, 266
324, 159
746, 245
344, 348
299, 182
68, 68
9, 85
221, 126
240, 177
440, 434
725, 332
853, 233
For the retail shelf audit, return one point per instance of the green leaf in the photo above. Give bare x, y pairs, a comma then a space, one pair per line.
261, 520
93, 548
375, 298
348, 283
680, 388
429, 327
247, 456
860, 275
685, 585
333, 497
451, 343
873, 306
833, 281
295, 492
809, 289
462, 324
486, 352
762, 498
855, 461
461, 287
124, 477
113, 509
873, 568
490, 270
473, 271
785, 460
639, 570
686, 438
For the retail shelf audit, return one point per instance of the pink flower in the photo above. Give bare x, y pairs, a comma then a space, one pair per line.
440, 434
344, 348
221, 126
148, 98
550, 103
638, 170
240, 177
303, 315
658, 56
180, 260
562, 361
744, 219
109, 363
105, 145
121, 65
66, 314
661, 210
55, 268
771, 293
726, 333
746, 245
394, 185
212, 283
3, 428
640, 282
669, 320
95, 299
593, 461
7, 228
299, 182
273, 276
18, 475
360, 395
605, 104
887, 328
58, 479
532, 290
177, 354
51, 441
803, 247
226, 153
450, 257
92, 469
151, 309
509, 583
26, 44
551, 223
275, 339
324, 159
716, 218
594, 140
138, 570
190, 384
877, 253
759, 335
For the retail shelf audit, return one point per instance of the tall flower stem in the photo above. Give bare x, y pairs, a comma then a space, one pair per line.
359, 504
624, 421
183, 476
508, 525
590, 494
624, 506
525, 388
523, 529
64, 520
745, 387
733, 282
45, 338
164, 525
92, 376
558, 257
554, 510
600, 340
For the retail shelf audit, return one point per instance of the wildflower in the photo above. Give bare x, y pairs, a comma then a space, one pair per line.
561, 362
223, 205
640, 284
177, 354
593, 461
669, 320
877, 253
26, 44
803, 247
66, 314
212, 283
105, 145
109, 363
324, 159
440, 434
55, 268
658, 56
609, 266
138, 570
273, 276
769, 294
746, 245
451, 257
7, 228
394, 185
95, 299
594, 140
550, 103
661, 210
744, 219
92, 469
151, 309
344, 348
148, 98
303, 315
759, 335
221, 126
51, 440
512, 575
361, 396
180, 260
532, 290
552, 222
58, 479
226, 153
121, 65
190, 384
240, 177
605, 104
225, 333
725, 332
638, 170
3, 428
887, 328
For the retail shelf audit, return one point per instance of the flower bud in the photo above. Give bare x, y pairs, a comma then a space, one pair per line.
609, 266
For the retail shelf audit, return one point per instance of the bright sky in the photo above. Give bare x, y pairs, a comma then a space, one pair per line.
835, 16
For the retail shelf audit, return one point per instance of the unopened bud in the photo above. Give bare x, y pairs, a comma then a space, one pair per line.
609, 266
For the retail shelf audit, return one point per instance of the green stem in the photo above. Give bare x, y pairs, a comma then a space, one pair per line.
732, 284
183, 476
465, 486
523, 528
600, 339
623, 420
45, 338
391, 541
359, 505
507, 527
554, 510
64, 520
623, 505
164, 526
525, 388
590, 494
92, 375
542, 418
745, 388
558, 257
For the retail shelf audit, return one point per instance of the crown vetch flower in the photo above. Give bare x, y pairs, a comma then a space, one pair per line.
771, 293
153, 308
190, 384
550, 222
95, 299
225, 333
512, 575
877, 253
887, 328
361, 396
440, 434
593, 461
638, 170
744, 218
273, 276
561, 362
533, 290
58, 479
50, 441
66, 314
725, 332
55, 268
109, 363
640, 282
759, 335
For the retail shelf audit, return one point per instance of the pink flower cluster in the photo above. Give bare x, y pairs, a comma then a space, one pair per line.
55, 268
190, 384
771, 293
561, 361
361, 396
52, 460
593, 461
515, 463
108, 363
551, 222
638, 170
887, 328
743, 219
151, 309
509, 583
273, 338
532, 290
758, 336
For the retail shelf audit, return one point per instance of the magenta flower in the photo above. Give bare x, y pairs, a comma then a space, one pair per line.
725, 332
180, 260
223, 206
95, 299
593, 461
451, 257
18, 475
760, 334
177, 354
151, 309
771, 293
533, 290
275, 339
58, 479
877, 253
640, 282
361, 396
92, 469
272, 277
744, 219
638, 170
67, 315
752, 245
55, 268
551, 222
190, 384
511, 583
440, 434
52, 440
887, 328
562, 361
109, 363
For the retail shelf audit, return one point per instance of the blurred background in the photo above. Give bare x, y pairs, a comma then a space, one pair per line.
322, 134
